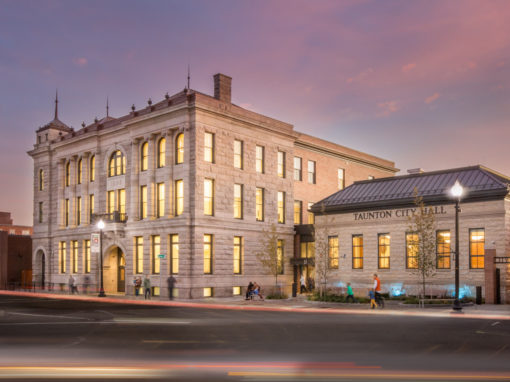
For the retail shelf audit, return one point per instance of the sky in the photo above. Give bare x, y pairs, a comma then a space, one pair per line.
422, 83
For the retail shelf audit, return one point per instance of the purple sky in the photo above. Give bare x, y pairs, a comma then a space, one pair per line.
423, 83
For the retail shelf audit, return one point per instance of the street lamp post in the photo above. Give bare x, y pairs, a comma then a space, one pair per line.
100, 225
457, 192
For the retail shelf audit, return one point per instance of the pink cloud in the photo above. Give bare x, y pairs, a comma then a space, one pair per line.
387, 108
432, 98
361, 76
80, 61
408, 67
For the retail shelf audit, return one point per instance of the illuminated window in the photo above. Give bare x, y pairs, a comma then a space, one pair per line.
40, 212
236, 291
156, 250
143, 202
238, 154
174, 254
138, 254
259, 159
79, 171
208, 292
86, 255
121, 202
384, 250
117, 165
66, 213
281, 207
161, 152
371, 177
298, 174
91, 206
78, 210
476, 248
238, 254
259, 204
357, 251
208, 253
333, 251
311, 172
62, 256
298, 206
208, 197
92, 168
41, 180
155, 291
311, 216
179, 149
161, 200
68, 174
412, 249
144, 157
308, 250
281, 164
179, 197
341, 178
443, 249
209, 147
74, 256
280, 252
110, 200
238, 201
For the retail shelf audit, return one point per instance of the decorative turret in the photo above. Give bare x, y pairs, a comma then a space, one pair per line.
53, 129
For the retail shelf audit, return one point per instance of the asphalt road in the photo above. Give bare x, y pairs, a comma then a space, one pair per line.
43, 339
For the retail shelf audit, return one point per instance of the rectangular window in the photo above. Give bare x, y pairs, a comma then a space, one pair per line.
476, 248
341, 178
174, 254
111, 202
143, 202
357, 251
333, 251
259, 159
259, 204
208, 253
179, 197
91, 207
74, 256
371, 177
209, 197
238, 254
138, 254
161, 200
311, 216
121, 202
281, 207
155, 291
208, 292
384, 250
238, 154
209, 147
40, 212
412, 248
298, 206
298, 174
86, 255
62, 256
443, 249
66, 213
236, 291
238, 201
281, 164
156, 250
78, 210
311, 172
280, 255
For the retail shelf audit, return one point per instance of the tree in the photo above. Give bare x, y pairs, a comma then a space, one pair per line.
422, 250
323, 262
271, 260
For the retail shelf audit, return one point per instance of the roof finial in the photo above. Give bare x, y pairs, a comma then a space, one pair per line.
56, 104
107, 108
188, 76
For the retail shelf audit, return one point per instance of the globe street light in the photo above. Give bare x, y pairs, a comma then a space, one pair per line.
456, 191
100, 225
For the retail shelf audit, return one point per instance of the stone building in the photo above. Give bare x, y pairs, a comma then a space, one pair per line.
368, 231
186, 186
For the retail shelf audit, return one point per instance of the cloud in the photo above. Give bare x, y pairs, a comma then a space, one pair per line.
80, 61
387, 108
361, 76
432, 98
407, 68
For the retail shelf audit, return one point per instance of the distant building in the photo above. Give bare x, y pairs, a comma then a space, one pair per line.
186, 186
6, 225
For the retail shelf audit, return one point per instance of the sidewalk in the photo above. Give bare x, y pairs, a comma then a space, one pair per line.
296, 304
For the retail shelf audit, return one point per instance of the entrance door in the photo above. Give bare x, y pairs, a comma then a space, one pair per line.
121, 272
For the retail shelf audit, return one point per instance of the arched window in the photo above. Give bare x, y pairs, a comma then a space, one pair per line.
179, 148
93, 168
144, 158
68, 174
161, 152
117, 165
79, 171
41, 180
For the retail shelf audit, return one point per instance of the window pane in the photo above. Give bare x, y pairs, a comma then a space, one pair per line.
476, 248
311, 216
238, 201
156, 250
259, 206
280, 256
341, 179
357, 252
145, 157
384, 251
208, 197
174, 248
281, 164
238, 252
333, 251
297, 211
259, 159
139, 254
179, 149
443, 249
297, 168
238, 154
161, 200
162, 152
207, 253
412, 248
143, 202
179, 197
281, 207
209, 147
311, 172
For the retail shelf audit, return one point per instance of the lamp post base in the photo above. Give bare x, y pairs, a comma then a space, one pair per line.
457, 306
101, 293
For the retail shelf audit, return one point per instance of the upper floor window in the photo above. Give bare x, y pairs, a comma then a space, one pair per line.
68, 174
297, 168
281, 164
341, 178
281, 207
208, 197
41, 180
179, 149
298, 206
79, 171
371, 177
117, 165
238, 154
179, 197
92, 168
311, 216
311, 172
238, 201
259, 159
161, 152
144, 158
209, 147
259, 204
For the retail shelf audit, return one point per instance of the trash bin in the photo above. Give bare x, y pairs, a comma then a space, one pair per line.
478, 295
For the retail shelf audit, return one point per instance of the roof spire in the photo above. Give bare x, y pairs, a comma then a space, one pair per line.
107, 108
56, 104
188, 76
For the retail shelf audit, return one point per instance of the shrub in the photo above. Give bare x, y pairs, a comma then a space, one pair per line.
277, 296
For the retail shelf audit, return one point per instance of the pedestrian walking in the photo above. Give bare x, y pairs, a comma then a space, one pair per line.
302, 281
147, 288
350, 294
72, 285
171, 283
257, 291
377, 290
86, 283
249, 290
371, 294
138, 284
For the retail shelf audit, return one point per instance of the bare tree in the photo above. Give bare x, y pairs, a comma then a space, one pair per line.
323, 261
271, 261
422, 225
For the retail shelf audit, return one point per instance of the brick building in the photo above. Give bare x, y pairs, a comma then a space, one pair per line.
194, 178
6, 225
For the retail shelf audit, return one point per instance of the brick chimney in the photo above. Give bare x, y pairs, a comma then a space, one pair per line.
223, 87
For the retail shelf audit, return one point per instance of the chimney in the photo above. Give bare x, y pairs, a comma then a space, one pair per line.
415, 171
223, 88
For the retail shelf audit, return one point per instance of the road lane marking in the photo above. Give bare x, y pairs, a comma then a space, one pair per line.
47, 315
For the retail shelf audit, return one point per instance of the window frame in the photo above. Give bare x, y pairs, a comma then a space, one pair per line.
299, 203
138, 254
410, 258
259, 161
281, 206
357, 249
440, 255
312, 173
333, 252
92, 168
298, 171
259, 207
174, 254
280, 256
209, 149
380, 248
208, 199
155, 251
117, 164
179, 148
208, 261
239, 155
238, 201
238, 255
161, 152
281, 164
160, 205
179, 197
144, 156
471, 255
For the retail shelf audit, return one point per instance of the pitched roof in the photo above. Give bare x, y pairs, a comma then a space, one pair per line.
480, 183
